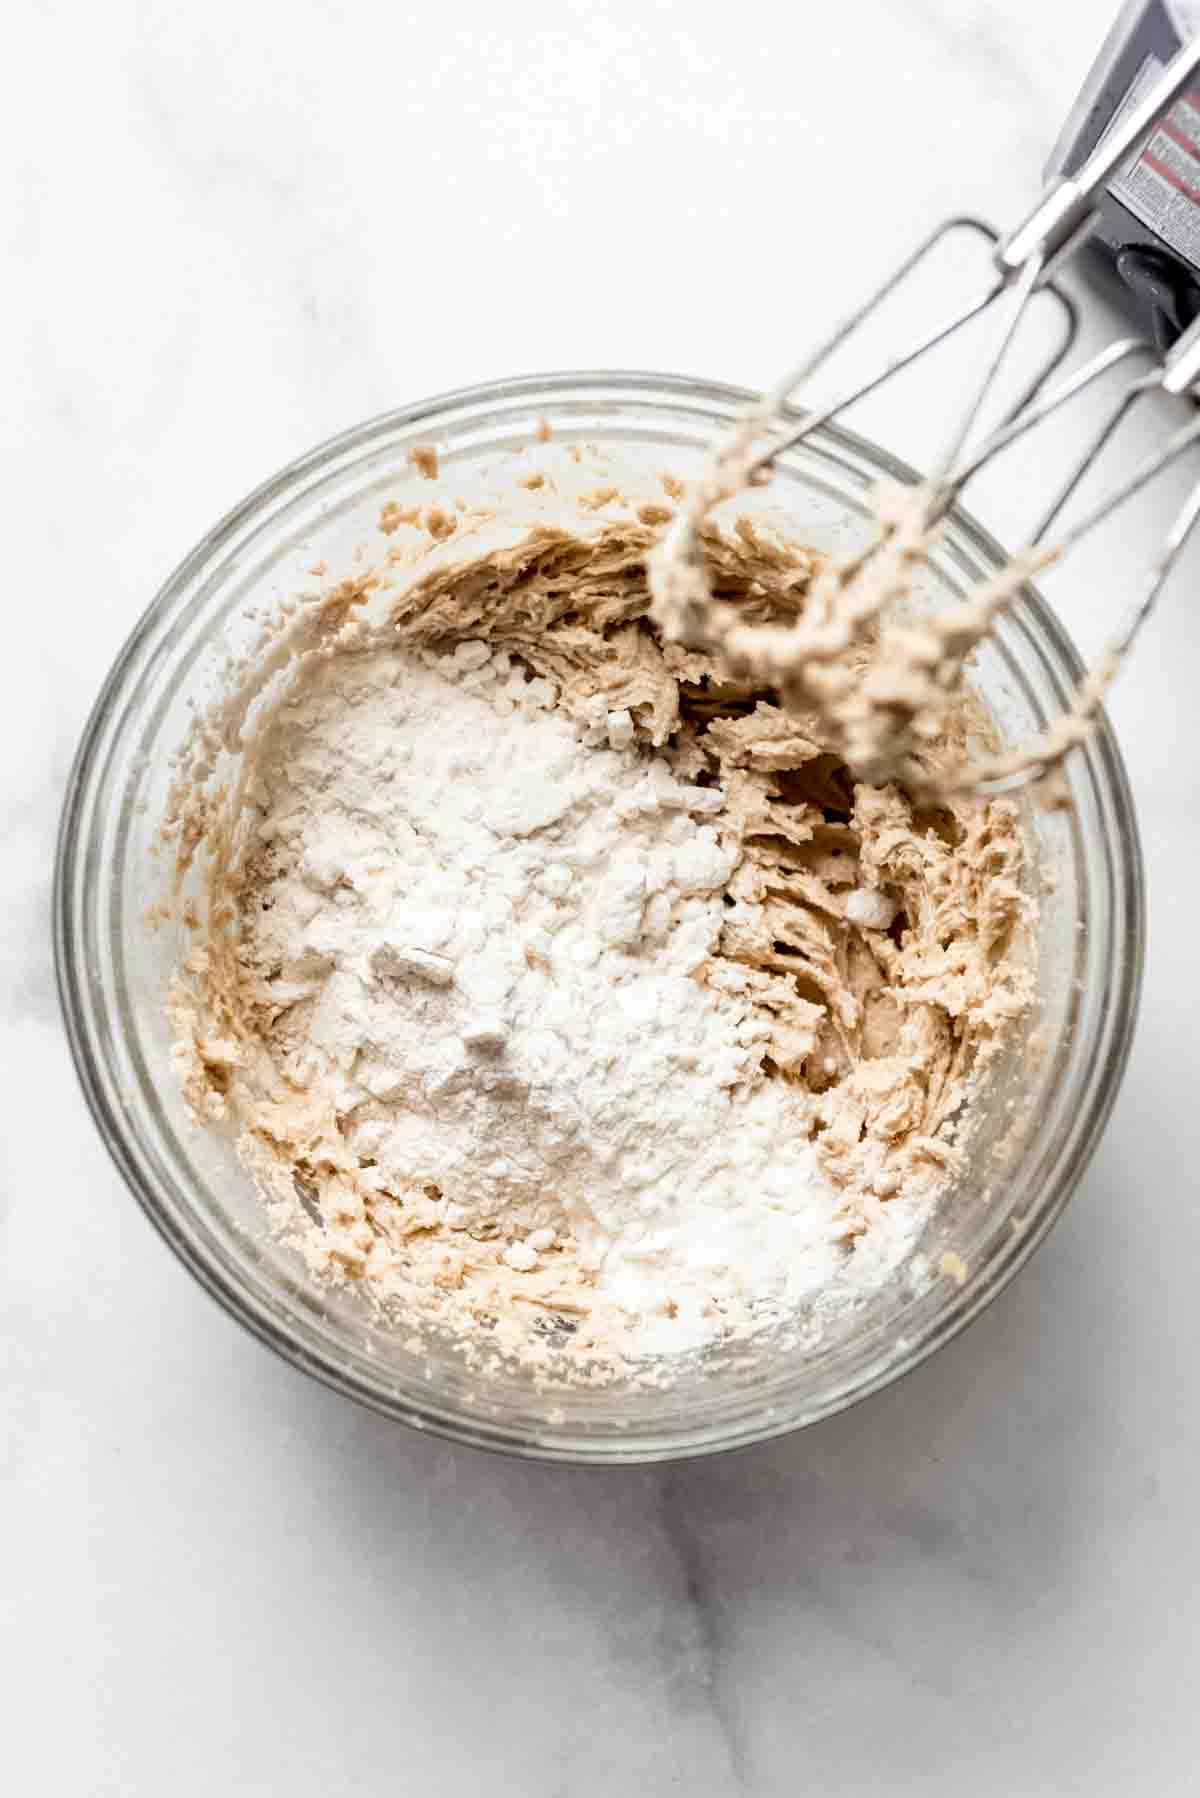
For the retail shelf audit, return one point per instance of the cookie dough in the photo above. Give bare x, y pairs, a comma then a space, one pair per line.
877, 935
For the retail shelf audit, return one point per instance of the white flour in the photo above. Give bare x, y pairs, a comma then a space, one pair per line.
488, 927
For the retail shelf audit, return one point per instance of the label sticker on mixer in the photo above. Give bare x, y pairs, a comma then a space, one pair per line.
1161, 185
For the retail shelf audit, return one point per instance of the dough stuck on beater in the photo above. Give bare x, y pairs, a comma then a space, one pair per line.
877, 678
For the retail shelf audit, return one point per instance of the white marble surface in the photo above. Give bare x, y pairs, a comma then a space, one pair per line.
233, 229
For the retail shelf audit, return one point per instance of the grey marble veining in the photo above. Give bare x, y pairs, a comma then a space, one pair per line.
233, 230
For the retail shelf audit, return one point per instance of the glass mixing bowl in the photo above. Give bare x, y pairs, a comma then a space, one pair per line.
1046, 1106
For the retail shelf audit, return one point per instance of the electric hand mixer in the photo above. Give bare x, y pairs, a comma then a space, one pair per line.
806, 660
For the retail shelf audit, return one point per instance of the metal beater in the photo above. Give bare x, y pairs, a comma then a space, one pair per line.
1024, 263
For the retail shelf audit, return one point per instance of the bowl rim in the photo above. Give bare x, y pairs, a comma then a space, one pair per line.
75, 997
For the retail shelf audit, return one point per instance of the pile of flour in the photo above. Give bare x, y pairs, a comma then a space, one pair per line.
483, 924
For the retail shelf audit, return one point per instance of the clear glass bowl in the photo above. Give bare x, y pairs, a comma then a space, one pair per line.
1045, 1111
